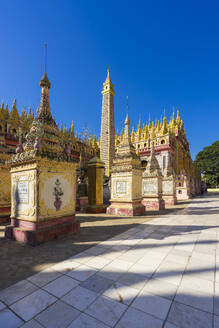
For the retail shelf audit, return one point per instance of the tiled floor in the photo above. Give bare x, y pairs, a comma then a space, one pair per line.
160, 274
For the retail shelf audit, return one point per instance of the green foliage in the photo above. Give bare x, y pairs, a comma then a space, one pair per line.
208, 162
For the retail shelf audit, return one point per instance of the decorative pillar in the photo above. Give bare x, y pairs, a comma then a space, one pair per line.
152, 184
5, 189
43, 179
95, 186
82, 193
182, 187
169, 185
107, 135
126, 177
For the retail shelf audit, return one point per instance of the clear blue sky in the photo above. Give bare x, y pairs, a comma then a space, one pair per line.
160, 53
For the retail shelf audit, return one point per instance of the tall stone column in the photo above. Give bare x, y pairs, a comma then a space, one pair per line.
107, 136
152, 185
95, 186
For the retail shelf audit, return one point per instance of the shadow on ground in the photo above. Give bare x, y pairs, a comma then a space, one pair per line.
18, 261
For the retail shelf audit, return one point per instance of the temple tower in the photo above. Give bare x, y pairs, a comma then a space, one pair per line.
107, 137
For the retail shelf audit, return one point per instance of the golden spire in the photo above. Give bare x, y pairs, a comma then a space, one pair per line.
178, 119
107, 85
127, 120
149, 123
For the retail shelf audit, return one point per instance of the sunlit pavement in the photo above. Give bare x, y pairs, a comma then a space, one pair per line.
162, 273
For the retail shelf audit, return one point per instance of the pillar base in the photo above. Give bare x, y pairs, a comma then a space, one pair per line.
126, 209
153, 204
169, 200
5, 212
182, 194
96, 209
83, 203
35, 233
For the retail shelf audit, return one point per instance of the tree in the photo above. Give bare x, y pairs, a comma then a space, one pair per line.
208, 162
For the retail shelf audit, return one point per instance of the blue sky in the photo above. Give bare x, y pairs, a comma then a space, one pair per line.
162, 54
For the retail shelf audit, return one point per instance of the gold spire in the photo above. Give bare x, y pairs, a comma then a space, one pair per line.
107, 85
127, 120
149, 123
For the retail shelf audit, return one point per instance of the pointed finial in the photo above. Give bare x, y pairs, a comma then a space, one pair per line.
45, 55
164, 112
127, 98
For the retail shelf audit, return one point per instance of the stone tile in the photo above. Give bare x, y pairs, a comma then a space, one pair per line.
83, 272
161, 288
97, 283
98, 262
111, 272
177, 259
185, 316
169, 325
152, 304
32, 324
32, 304
195, 298
106, 310
216, 305
2, 306
61, 286
97, 250
216, 321
58, 315
202, 285
121, 293
130, 257
9, 320
44, 277
82, 257
80, 298
122, 265
85, 321
138, 319
65, 266
17, 291
133, 280
141, 269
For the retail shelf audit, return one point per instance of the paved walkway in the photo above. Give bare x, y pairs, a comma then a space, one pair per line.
159, 274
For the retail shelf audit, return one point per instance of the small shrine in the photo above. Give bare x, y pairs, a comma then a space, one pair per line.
126, 177
152, 184
43, 181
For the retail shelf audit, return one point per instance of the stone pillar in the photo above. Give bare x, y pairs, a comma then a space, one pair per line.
126, 178
5, 193
182, 187
152, 185
107, 135
169, 184
169, 190
95, 186
82, 197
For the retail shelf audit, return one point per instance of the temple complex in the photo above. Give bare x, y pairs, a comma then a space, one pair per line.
171, 146
163, 141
